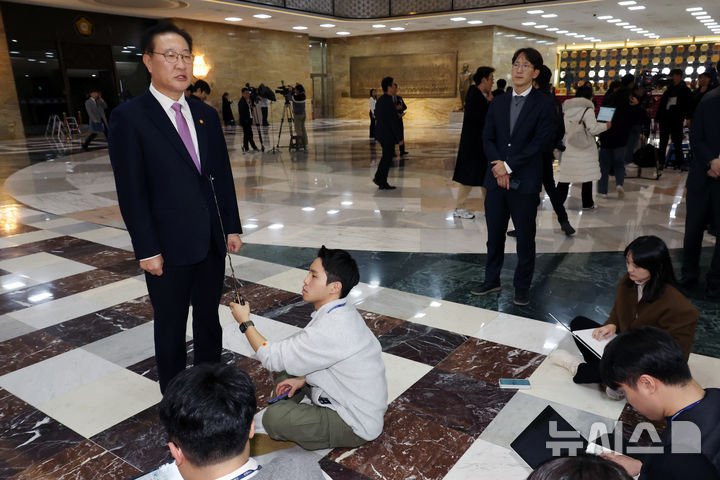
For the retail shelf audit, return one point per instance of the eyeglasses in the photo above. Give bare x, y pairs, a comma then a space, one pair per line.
172, 57
522, 66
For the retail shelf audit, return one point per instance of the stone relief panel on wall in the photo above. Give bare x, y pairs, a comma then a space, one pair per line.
431, 75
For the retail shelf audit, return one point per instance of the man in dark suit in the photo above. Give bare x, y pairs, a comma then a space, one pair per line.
388, 131
517, 129
672, 111
703, 193
170, 162
245, 117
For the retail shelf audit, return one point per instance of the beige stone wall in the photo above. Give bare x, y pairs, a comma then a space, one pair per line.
11, 126
238, 55
504, 47
474, 46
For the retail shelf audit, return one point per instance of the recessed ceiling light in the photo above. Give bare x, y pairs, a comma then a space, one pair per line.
540, 26
571, 34
623, 24
125, 51
535, 12
327, 25
475, 22
698, 12
14, 52
629, 27
648, 34
637, 29
528, 23
550, 15
614, 20
637, 7
510, 35
233, 19
629, 2
342, 33
31, 60
709, 20
397, 29
262, 15
552, 29
561, 31
308, 209
299, 27
521, 38
693, 9
458, 19
605, 17
711, 25
378, 25
276, 226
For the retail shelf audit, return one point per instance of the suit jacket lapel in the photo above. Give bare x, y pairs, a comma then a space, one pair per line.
201, 132
158, 116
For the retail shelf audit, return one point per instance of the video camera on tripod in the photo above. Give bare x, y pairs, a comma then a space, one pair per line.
286, 91
262, 91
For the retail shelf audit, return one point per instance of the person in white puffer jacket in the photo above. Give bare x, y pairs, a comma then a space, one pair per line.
580, 162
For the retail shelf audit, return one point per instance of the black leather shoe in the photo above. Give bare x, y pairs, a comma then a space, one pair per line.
486, 288
567, 228
403, 152
387, 186
522, 297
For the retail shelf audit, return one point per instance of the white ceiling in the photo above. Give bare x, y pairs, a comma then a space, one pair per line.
665, 18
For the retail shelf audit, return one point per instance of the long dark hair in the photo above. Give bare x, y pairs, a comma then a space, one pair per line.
651, 253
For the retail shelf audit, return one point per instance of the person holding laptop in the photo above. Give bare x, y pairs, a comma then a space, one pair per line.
646, 296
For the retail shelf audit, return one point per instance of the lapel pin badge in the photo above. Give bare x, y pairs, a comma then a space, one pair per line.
202, 121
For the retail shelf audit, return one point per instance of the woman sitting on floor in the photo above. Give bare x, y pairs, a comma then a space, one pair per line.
645, 296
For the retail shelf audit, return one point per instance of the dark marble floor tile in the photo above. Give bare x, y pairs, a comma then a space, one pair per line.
99, 256
84, 461
421, 343
139, 440
125, 268
31, 437
29, 296
455, 401
261, 297
148, 367
10, 405
18, 251
262, 379
138, 307
338, 472
379, 324
409, 447
58, 245
85, 281
7, 230
490, 361
631, 417
296, 313
19, 352
94, 326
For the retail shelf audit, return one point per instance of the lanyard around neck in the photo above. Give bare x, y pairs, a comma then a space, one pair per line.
247, 473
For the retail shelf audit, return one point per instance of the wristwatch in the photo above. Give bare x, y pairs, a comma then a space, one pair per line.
245, 325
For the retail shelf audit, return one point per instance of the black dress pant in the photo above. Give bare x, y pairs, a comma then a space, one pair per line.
264, 111
700, 206
557, 201
587, 198
171, 294
588, 372
500, 206
671, 129
247, 135
381, 174
372, 126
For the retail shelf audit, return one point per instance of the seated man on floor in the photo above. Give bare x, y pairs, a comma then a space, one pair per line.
335, 361
649, 366
207, 412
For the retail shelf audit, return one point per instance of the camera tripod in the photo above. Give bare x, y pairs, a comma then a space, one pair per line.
287, 114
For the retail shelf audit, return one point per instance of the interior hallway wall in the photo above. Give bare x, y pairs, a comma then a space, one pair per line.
11, 126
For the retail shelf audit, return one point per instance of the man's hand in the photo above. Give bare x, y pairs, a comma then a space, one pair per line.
631, 466
234, 242
604, 332
290, 385
241, 313
153, 265
501, 174
714, 171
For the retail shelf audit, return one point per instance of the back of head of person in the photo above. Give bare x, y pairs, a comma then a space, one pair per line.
648, 261
501, 84
650, 367
584, 91
207, 412
483, 78
676, 77
387, 83
543, 79
628, 80
201, 89
581, 467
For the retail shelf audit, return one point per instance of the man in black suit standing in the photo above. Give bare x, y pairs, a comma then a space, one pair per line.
171, 164
388, 131
245, 108
703, 193
517, 129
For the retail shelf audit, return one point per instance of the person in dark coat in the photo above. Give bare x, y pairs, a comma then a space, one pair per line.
245, 108
471, 160
227, 114
672, 111
500, 88
388, 131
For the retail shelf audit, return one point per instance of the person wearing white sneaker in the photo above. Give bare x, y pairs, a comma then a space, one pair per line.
471, 162
650, 368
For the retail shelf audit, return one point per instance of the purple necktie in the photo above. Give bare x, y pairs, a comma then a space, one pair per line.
184, 132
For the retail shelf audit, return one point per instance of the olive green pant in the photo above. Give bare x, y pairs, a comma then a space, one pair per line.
310, 426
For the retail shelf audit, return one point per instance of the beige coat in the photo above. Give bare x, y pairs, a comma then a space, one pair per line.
580, 165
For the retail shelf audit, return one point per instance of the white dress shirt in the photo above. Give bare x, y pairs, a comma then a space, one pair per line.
167, 103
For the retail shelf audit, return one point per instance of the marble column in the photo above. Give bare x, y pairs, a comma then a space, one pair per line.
11, 126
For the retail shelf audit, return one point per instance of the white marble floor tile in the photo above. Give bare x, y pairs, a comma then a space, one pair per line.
40, 382
62, 269
555, 384
485, 460
103, 234
28, 262
54, 223
107, 401
361, 291
455, 317
29, 237
56, 311
525, 333
15, 281
118, 292
127, 347
706, 370
253, 270
61, 203
11, 328
401, 374
395, 303
290, 280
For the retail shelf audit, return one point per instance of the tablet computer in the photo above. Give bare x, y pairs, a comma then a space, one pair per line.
605, 114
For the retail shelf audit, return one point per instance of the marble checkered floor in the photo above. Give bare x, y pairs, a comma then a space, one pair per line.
78, 380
